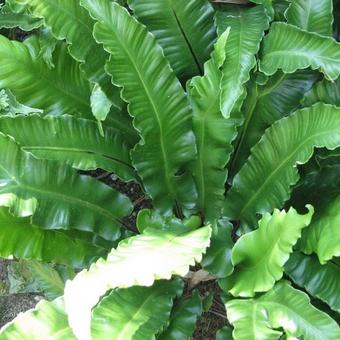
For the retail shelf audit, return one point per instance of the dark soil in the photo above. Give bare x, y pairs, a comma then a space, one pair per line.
12, 305
215, 318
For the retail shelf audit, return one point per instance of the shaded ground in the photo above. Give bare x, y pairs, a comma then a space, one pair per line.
12, 305
215, 318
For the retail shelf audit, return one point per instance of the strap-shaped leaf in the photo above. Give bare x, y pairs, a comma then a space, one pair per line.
263, 183
280, 7
70, 21
59, 90
156, 100
185, 30
20, 238
321, 281
290, 48
214, 134
135, 313
247, 28
56, 195
47, 321
324, 91
311, 15
14, 15
217, 259
72, 140
47, 45
282, 307
139, 260
24, 21
183, 318
266, 104
323, 236
259, 256
225, 333
268, 5
318, 187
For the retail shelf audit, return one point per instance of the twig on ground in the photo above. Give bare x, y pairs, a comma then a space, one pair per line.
217, 313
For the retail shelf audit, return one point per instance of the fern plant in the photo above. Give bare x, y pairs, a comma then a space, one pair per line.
228, 117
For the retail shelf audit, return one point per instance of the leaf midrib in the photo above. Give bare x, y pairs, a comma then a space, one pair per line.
200, 154
283, 53
155, 111
68, 13
75, 150
283, 163
186, 39
122, 335
38, 64
63, 197
255, 100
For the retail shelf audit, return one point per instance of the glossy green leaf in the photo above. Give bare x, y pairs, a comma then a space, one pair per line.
321, 281
183, 318
290, 48
47, 321
247, 28
311, 15
156, 100
263, 183
139, 260
185, 30
324, 91
280, 6
323, 236
56, 195
225, 333
266, 104
259, 256
319, 188
20, 238
135, 313
217, 259
24, 21
72, 140
148, 218
59, 90
47, 46
285, 308
213, 132
15, 6
68, 20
